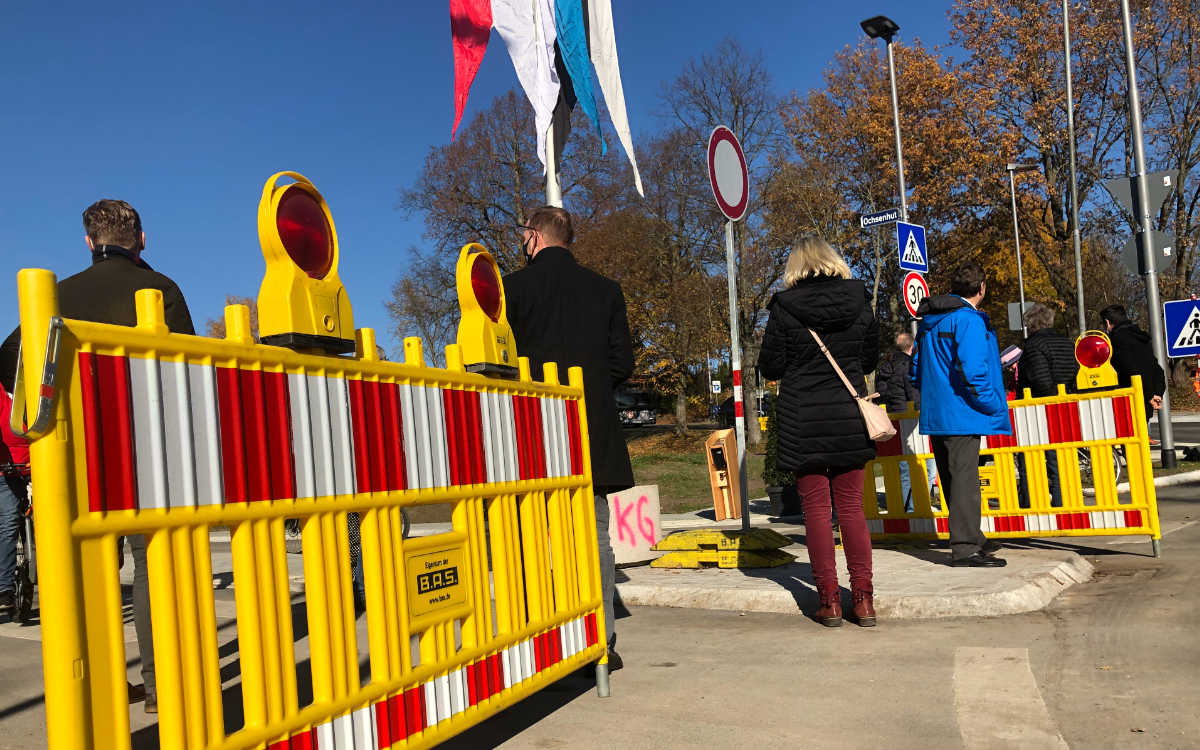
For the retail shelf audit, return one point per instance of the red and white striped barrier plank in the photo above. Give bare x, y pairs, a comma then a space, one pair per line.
1097, 519
1069, 422
908, 440
165, 434
426, 705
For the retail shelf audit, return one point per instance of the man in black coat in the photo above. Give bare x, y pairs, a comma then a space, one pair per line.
562, 312
896, 389
104, 293
1047, 362
1134, 355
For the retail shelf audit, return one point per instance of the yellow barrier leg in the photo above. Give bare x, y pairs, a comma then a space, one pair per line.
106, 642
63, 626
210, 659
189, 637
250, 650
316, 596
168, 661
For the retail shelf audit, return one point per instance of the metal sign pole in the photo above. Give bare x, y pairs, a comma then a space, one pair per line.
1074, 189
1142, 213
899, 149
1012, 183
736, 356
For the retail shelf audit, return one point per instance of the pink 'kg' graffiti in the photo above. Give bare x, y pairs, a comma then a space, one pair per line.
644, 525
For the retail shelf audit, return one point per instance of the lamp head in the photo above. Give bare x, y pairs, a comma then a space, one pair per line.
1021, 167
880, 27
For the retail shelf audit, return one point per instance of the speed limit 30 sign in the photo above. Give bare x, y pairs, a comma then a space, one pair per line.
915, 290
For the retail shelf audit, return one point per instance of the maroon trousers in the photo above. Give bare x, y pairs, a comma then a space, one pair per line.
818, 492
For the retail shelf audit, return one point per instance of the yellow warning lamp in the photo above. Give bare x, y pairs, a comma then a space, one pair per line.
1093, 351
483, 331
302, 303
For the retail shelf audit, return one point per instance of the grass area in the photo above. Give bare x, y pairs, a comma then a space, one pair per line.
678, 466
1183, 466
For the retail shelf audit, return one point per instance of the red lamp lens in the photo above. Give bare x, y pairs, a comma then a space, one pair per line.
1092, 351
486, 285
305, 232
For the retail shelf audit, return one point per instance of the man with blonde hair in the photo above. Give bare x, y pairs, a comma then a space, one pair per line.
104, 293
562, 312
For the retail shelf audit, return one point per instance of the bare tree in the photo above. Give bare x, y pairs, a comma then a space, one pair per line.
731, 86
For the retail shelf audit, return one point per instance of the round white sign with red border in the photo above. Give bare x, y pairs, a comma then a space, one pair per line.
915, 290
727, 173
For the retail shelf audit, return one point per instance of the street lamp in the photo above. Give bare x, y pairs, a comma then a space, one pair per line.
1012, 184
882, 27
1074, 190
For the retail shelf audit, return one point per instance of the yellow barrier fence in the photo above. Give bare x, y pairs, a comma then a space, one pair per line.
166, 435
1096, 438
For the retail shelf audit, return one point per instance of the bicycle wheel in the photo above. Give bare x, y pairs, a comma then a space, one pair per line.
23, 591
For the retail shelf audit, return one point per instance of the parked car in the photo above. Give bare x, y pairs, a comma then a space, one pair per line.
636, 407
726, 414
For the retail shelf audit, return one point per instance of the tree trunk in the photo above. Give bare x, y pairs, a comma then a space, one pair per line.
681, 420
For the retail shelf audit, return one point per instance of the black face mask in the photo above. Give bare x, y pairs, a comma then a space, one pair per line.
525, 249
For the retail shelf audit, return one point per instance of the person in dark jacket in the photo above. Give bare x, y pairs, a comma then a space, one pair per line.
562, 312
897, 390
957, 369
1133, 354
104, 293
1047, 362
822, 437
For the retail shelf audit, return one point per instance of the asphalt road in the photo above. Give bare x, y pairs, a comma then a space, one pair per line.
1110, 664
1184, 432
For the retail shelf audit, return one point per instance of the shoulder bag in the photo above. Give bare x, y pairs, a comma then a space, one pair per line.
879, 427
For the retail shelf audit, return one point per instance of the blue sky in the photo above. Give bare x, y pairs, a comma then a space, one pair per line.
185, 110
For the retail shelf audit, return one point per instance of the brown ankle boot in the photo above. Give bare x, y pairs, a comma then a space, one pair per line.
864, 607
830, 613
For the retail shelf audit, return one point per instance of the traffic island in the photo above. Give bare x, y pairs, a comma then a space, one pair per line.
909, 583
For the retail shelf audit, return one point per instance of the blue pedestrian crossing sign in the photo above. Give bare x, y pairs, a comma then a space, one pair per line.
1183, 327
910, 241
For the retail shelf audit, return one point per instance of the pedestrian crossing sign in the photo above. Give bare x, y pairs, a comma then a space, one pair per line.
910, 241
1183, 327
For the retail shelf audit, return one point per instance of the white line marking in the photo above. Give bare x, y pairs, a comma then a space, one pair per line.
998, 702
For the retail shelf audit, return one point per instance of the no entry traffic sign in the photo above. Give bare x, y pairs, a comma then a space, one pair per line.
915, 290
727, 173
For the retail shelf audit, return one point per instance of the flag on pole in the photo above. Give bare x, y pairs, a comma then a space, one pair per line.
527, 28
573, 47
470, 27
608, 71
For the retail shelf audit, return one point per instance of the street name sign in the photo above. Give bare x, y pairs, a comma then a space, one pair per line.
879, 218
727, 173
915, 290
910, 241
1183, 327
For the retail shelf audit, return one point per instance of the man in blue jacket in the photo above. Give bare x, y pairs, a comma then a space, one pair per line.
957, 369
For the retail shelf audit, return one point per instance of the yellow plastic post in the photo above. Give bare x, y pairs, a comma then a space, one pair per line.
66, 673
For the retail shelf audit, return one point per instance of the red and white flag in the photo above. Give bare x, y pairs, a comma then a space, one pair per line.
470, 27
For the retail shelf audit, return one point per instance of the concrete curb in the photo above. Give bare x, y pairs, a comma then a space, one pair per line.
779, 591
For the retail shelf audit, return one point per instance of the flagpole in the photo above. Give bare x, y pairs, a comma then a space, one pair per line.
553, 188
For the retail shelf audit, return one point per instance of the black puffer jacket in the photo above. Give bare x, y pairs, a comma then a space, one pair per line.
820, 426
895, 387
1133, 354
1047, 360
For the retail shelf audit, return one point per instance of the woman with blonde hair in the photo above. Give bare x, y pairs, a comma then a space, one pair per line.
822, 437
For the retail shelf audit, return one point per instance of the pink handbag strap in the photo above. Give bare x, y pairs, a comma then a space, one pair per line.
832, 361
